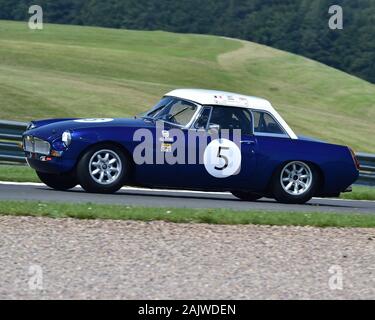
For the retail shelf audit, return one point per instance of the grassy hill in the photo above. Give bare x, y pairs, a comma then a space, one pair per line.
65, 71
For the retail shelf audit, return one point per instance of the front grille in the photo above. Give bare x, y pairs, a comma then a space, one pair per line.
35, 145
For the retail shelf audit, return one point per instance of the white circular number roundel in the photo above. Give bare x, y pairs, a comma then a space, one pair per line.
95, 120
222, 158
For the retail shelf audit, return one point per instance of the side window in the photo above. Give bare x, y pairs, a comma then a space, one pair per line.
232, 118
265, 123
202, 121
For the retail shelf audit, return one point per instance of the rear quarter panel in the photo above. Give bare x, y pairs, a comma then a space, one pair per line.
334, 161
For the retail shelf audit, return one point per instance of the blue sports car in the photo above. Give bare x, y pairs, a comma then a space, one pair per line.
192, 139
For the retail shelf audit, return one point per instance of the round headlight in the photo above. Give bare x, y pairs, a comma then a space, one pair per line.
66, 138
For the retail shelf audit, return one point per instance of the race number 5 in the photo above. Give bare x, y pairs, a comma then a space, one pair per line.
219, 155
222, 158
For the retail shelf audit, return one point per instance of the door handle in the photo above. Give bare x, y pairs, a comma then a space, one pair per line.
247, 142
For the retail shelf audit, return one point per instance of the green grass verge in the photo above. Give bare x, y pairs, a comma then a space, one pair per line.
26, 174
360, 193
17, 173
213, 216
74, 71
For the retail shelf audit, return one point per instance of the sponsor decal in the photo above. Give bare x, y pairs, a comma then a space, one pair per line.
166, 147
165, 136
231, 100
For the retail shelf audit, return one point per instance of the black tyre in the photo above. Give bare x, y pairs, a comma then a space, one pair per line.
247, 196
295, 182
57, 181
103, 169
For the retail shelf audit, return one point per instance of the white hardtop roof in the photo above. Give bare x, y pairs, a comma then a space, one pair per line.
222, 98
230, 99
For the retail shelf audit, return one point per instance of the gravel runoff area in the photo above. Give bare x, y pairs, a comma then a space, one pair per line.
42, 258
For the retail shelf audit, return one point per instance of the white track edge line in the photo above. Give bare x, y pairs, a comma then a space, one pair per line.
36, 184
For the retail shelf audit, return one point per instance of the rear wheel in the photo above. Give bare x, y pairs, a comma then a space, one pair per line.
295, 182
103, 169
247, 196
57, 181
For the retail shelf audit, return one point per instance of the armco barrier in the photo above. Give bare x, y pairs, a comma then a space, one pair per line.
10, 141
11, 151
367, 166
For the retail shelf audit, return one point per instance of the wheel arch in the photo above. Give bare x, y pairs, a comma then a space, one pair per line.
321, 179
106, 143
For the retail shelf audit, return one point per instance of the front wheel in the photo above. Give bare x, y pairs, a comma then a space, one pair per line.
103, 169
57, 181
247, 196
295, 182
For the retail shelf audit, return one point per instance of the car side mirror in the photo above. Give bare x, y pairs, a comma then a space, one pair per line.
214, 128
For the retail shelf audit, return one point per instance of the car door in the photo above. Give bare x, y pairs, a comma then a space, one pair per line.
227, 160
167, 143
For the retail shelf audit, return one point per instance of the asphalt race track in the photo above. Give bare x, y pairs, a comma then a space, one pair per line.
174, 198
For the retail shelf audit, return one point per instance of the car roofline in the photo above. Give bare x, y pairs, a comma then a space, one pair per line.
231, 99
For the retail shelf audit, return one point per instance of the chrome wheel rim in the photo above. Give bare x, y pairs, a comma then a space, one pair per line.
296, 178
105, 167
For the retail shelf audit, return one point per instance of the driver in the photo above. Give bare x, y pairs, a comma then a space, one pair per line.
225, 117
